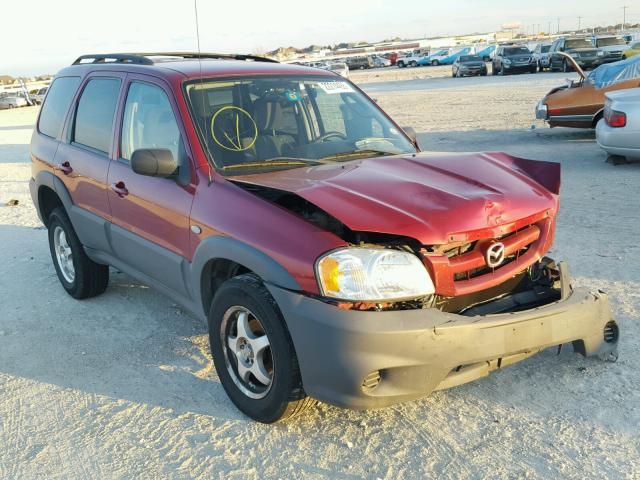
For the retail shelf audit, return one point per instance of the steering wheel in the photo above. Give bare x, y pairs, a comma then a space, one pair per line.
328, 135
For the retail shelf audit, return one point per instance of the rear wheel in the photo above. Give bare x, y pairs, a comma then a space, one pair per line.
400, 64
253, 352
79, 275
435, 63
413, 63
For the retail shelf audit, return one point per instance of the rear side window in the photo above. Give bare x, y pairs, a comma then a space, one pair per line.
94, 115
56, 106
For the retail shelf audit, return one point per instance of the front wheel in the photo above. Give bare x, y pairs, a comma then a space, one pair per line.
565, 67
253, 352
79, 275
400, 64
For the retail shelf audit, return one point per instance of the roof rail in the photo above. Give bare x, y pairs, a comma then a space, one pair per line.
113, 58
143, 58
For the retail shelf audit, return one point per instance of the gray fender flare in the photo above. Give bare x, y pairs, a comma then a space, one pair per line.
48, 179
227, 248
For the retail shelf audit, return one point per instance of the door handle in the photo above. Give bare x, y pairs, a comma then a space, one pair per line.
65, 167
120, 189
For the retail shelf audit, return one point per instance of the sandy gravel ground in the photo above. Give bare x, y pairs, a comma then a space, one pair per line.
122, 386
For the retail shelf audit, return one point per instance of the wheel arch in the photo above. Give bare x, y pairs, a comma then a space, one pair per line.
597, 117
50, 194
218, 259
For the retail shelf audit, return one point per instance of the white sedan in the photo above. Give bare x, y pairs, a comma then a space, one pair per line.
12, 101
618, 133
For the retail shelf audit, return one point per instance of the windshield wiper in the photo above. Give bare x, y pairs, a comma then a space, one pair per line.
357, 154
276, 162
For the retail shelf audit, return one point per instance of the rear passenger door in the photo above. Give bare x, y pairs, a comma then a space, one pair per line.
82, 160
150, 224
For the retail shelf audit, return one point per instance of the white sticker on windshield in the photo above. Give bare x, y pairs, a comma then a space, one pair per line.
335, 87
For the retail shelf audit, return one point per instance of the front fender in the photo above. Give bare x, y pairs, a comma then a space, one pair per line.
227, 248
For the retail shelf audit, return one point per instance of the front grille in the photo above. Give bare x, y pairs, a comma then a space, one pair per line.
462, 268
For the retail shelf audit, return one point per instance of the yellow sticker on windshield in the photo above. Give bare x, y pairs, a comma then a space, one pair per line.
233, 129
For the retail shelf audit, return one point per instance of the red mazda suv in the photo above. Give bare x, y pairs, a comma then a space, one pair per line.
332, 260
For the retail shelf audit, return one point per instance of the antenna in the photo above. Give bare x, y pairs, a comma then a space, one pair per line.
195, 6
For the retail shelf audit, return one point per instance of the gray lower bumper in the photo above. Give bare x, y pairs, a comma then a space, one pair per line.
419, 351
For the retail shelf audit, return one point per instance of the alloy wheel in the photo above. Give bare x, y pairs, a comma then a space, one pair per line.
247, 352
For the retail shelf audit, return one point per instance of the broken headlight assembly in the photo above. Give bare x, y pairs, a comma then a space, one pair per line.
372, 275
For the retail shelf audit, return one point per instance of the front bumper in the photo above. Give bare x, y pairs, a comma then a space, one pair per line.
542, 111
414, 352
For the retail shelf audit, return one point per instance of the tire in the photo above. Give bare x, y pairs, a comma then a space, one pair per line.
400, 64
565, 67
280, 394
12, 106
80, 276
503, 72
494, 70
435, 63
413, 63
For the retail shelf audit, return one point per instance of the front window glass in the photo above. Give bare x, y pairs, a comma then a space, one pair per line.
149, 122
578, 43
545, 48
610, 41
516, 51
288, 122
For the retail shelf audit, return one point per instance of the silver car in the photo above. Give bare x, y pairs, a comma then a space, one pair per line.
12, 101
541, 56
340, 68
618, 133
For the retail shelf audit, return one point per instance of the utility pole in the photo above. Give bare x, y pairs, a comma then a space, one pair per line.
558, 31
579, 22
624, 16
549, 29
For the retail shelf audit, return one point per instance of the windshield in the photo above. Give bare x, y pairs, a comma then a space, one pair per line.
578, 43
610, 41
287, 122
517, 51
470, 58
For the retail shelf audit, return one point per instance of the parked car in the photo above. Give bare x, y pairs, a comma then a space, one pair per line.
634, 49
379, 62
330, 258
431, 56
359, 63
12, 100
611, 46
447, 57
580, 104
541, 56
38, 95
513, 59
409, 60
618, 133
469, 65
340, 68
486, 53
581, 49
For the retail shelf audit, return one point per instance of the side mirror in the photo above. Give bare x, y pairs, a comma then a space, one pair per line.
154, 162
411, 133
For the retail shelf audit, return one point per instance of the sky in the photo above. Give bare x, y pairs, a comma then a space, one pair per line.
47, 35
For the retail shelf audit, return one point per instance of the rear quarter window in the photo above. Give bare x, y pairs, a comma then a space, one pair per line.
95, 112
56, 105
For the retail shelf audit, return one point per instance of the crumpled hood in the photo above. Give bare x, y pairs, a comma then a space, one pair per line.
428, 197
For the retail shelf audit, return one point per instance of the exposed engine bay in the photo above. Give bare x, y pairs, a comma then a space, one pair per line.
537, 285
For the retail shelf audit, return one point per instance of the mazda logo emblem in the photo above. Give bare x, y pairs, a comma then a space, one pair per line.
495, 254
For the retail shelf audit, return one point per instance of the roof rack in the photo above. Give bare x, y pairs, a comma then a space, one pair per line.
143, 58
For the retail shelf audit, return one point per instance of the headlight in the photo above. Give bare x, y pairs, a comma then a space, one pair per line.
600, 53
507, 61
363, 274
